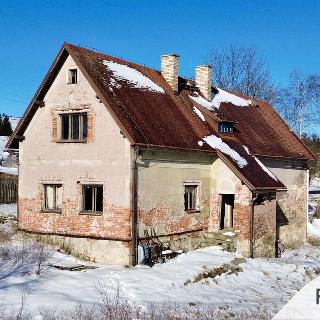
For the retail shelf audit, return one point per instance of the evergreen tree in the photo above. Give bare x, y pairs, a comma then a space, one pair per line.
0, 123
5, 128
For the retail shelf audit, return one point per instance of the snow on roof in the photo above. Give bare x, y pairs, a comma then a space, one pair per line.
264, 168
199, 113
218, 98
217, 143
132, 76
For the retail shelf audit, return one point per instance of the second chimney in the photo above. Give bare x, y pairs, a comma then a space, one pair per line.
203, 80
169, 69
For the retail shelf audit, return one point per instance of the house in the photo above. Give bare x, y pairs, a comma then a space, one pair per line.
110, 148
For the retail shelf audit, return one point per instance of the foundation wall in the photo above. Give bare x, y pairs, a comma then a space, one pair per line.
95, 250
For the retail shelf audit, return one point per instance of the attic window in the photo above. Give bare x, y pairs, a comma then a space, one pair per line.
226, 127
72, 76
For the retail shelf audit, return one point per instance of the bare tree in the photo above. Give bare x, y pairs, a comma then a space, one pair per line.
298, 102
242, 69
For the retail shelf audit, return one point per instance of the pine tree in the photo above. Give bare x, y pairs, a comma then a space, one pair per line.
0, 123
5, 128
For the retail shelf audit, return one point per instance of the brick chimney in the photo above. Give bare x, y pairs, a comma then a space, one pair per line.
169, 69
203, 80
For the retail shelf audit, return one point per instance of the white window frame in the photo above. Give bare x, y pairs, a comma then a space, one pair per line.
69, 75
45, 190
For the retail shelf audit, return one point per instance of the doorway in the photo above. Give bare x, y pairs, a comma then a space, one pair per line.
226, 214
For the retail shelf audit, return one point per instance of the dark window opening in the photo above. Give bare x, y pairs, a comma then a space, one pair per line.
74, 127
52, 197
226, 127
191, 197
72, 76
226, 213
92, 198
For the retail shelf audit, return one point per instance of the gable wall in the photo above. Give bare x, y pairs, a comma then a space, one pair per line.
104, 159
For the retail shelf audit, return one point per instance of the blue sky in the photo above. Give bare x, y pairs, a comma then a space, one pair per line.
286, 33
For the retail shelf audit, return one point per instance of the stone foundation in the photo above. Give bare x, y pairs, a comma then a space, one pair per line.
95, 250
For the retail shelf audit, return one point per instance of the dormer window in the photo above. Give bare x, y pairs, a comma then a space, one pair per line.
72, 76
226, 127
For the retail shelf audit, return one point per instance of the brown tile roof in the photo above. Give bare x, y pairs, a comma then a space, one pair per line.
167, 120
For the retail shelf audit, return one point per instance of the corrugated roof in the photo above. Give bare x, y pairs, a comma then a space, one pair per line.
168, 120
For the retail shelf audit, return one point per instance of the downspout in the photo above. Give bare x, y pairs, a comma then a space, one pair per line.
251, 222
134, 208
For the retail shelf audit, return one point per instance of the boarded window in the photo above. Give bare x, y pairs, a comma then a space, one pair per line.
72, 76
74, 127
92, 198
53, 197
191, 197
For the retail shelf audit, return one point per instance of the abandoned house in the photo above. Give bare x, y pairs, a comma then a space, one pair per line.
109, 148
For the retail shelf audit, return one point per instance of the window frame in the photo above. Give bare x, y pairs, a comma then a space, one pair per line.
81, 115
70, 75
94, 195
229, 128
196, 207
45, 192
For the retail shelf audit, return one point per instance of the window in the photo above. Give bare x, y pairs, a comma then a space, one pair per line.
226, 213
226, 127
74, 127
72, 76
191, 198
52, 197
92, 198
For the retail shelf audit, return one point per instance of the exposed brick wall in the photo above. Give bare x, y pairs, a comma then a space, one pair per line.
54, 127
214, 212
114, 223
165, 223
90, 117
264, 232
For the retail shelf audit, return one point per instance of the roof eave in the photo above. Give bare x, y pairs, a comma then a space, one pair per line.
244, 179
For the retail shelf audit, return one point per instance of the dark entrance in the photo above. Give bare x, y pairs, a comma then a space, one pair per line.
226, 214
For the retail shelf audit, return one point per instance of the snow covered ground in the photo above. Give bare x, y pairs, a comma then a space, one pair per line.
3, 141
8, 210
313, 223
209, 276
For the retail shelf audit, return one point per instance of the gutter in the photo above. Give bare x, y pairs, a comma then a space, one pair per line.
134, 208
